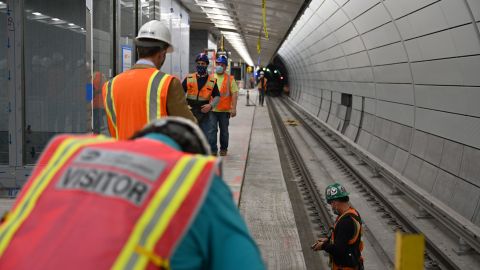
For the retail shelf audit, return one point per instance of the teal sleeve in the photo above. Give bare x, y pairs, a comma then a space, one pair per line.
218, 237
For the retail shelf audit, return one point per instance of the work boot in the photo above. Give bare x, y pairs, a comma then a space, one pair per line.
214, 154
223, 153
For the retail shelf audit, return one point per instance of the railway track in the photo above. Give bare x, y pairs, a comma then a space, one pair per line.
297, 127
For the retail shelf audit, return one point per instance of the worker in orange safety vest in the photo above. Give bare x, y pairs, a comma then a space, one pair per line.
226, 108
345, 242
144, 93
151, 202
202, 92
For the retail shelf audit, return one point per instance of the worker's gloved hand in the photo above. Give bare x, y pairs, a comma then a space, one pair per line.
319, 245
233, 113
206, 108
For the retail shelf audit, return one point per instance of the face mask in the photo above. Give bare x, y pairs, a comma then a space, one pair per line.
201, 70
219, 69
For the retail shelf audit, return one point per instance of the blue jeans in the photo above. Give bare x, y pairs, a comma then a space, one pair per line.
205, 125
222, 120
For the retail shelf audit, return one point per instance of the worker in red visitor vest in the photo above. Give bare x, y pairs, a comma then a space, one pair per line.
202, 92
144, 93
345, 243
151, 202
226, 108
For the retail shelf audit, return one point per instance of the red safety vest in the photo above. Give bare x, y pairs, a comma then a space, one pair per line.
356, 239
134, 98
96, 203
206, 91
225, 103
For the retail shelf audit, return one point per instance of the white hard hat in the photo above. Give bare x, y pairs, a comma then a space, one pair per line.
261, 72
184, 132
154, 30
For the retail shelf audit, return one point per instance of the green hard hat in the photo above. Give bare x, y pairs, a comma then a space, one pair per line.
335, 191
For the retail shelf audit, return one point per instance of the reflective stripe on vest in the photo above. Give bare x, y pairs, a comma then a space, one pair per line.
110, 106
27, 202
156, 98
157, 95
358, 227
355, 238
174, 187
225, 103
151, 226
205, 92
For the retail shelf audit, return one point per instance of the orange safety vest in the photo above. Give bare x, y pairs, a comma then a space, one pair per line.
356, 239
134, 98
96, 203
206, 91
225, 103
98, 80
264, 85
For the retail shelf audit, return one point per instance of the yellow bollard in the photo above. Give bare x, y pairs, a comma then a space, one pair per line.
409, 252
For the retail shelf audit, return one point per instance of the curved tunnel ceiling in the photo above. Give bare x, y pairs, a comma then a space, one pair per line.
241, 22
412, 68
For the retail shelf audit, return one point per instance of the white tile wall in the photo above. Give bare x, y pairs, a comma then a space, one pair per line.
390, 54
459, 128
372, 18
401, 93
403, 7
356, 7
461, 100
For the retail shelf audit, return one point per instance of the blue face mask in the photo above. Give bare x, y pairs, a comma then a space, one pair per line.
219, 69
201, 70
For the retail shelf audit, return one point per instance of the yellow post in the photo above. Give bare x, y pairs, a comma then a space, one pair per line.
410, 249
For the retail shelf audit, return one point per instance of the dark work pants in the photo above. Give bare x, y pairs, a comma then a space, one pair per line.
222, 120
261, 96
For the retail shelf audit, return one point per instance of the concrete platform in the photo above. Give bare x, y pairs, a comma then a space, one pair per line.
240, 133
264, 200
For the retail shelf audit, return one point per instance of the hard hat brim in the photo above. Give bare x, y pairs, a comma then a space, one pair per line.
152, 43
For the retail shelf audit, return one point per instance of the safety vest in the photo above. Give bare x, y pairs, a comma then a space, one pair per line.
264, 85
134, 98
205, 93
96, 203
98, 80
356, 240
225, 103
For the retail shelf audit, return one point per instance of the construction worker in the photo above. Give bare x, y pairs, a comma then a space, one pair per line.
345, 242
262, 87
97, 102
226, 108
153, 201
202, 92
144, 93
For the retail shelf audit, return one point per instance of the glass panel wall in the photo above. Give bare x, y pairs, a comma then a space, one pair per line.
3, 87
126, 26
102, 59
55, 73
145, 11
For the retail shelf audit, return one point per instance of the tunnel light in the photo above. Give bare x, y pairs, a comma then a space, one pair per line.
55, 19
37, 13
71, 24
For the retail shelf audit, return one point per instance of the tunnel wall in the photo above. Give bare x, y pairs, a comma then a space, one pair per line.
412, 68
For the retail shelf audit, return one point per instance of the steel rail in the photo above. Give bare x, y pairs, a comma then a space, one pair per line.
437, 253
